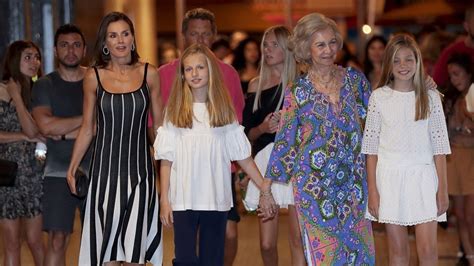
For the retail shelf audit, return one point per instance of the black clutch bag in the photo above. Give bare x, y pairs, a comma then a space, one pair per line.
82, 184
8, 171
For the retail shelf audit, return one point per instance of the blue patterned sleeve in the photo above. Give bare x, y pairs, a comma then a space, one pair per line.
363, 92
282, 158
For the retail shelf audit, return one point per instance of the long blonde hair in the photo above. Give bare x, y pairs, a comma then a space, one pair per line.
282, 35
421, 92
179, 110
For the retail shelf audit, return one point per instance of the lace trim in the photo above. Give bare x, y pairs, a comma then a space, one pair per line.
386, 221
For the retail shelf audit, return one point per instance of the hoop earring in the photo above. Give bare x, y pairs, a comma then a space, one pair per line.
105, 50
133, 46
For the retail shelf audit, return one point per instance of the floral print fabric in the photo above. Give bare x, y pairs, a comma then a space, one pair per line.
23, 200
318, 148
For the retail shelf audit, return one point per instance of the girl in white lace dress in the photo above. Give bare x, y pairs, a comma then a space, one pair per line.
406, 143
199, 139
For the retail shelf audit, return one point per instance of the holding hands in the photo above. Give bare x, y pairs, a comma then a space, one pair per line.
267, 208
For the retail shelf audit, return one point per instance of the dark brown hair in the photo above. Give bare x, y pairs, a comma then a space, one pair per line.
11, 67
100, 59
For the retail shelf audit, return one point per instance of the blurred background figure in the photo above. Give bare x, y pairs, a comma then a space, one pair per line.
168, 53
460, 164
236, 37
462, 45
346, 58
246, 60
221, 48
20, 203
373, 57
431, 45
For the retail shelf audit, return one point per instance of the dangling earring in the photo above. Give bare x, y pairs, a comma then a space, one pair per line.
105, 50
133, 46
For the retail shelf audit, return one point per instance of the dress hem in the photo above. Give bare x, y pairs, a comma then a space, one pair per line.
386, 221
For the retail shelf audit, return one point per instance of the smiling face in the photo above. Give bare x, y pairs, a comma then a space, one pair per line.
30, 62
119, 39
324, 47
272, 51
404, 64
70, 50
458, 76
196, 71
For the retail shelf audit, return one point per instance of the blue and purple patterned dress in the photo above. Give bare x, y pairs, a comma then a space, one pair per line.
318, 148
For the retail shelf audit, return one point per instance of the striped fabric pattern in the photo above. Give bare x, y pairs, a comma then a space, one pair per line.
121, 218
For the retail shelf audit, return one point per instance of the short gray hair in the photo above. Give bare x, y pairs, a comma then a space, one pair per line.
300, 43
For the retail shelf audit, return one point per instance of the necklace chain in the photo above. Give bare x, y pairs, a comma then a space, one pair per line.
329, 86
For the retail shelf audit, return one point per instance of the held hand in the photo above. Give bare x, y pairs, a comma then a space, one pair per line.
374, 203
442, 200
71, 181
166, 214
267, 208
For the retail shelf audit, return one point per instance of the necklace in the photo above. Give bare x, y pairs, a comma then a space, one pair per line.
325, 86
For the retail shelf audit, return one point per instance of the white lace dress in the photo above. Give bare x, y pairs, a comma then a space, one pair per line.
406, 175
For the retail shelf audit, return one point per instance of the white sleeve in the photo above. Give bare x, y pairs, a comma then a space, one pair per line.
373, 123
437, 126
165, 144
237, 144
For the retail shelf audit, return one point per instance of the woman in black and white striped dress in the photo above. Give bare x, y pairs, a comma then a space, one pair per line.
121, 218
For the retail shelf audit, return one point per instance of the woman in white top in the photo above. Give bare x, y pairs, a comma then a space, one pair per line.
198, 141
406, 143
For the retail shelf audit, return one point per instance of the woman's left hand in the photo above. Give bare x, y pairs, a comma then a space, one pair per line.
442, 200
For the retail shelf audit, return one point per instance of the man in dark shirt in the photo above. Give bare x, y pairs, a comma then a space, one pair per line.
57, 109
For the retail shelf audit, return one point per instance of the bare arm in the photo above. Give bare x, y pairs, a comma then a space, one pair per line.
87, 130
267, 206
166, 213
153, 80
27, 123
50, 125
8, 137
248, 165
442, 195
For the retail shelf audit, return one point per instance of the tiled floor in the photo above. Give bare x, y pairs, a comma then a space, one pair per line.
249, 252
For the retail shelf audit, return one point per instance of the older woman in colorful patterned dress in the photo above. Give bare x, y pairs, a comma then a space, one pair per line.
318, 148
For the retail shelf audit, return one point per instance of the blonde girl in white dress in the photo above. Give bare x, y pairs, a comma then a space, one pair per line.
406, 143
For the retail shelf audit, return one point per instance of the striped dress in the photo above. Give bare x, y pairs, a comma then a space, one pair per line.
121, 218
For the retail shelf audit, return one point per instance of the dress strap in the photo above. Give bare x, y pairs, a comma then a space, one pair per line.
97, 75
146, 69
